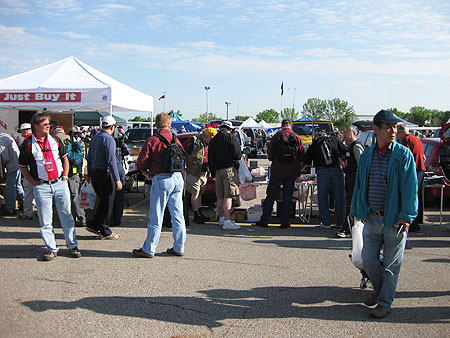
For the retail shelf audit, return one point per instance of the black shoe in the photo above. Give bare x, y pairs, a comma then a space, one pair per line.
75, 252
285, 226
205, 218
8, 213
198, 219
261, 224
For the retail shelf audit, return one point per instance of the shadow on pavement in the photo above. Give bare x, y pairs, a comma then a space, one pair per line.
265, 302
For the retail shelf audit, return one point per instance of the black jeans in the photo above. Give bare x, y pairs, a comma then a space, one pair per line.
103, 184
350, 180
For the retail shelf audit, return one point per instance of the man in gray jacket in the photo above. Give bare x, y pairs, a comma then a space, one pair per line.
9, 154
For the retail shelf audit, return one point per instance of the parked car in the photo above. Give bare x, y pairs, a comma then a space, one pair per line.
367, 138
432, 149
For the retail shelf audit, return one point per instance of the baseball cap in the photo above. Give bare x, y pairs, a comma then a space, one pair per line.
107, 121
285, 122
24, 126
59, 129
211, 132
385, 116
226, 124
75, 129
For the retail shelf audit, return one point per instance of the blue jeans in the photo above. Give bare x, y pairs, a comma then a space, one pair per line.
166, 189
384, 275
45, 194
331, 178
272, 191
13, 189
119, 200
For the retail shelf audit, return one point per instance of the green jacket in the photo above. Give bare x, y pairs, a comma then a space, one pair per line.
194, 160
401, 195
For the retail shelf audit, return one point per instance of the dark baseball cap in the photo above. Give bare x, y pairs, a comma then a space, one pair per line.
385, 116
286, 122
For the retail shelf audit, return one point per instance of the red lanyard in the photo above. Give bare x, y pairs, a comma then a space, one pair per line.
44, 149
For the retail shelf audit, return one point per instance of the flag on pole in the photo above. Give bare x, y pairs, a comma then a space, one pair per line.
162, 97
282, 89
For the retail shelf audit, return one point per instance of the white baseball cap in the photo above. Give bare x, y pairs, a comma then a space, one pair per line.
107, 121
24, 126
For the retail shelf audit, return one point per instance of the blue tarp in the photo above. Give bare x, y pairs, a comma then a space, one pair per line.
304, 119
176, 117
188, 125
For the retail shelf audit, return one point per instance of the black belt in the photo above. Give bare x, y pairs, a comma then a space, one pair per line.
377, 212
49, 182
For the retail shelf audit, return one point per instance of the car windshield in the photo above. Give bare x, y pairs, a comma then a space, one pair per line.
427, 148
138, 135
306, 128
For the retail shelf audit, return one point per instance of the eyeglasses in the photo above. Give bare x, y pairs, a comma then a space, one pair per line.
45, 124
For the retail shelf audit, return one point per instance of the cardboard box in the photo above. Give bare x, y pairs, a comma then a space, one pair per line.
254, 213
238, 215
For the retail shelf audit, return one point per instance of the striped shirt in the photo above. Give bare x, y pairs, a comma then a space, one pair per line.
378, 178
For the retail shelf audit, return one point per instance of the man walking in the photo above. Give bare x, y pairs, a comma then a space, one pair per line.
326, 151
166, 189
352, 155
286, 153
223, 159
28, 198
197, 172
415, 145
9, 155
43, 162
102, 171
385, 199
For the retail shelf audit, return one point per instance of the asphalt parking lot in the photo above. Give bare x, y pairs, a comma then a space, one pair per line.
253, 282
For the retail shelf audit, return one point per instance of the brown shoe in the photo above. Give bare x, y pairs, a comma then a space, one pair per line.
75, 252
380, 311
171, 251
49, 255
111, 236
142, 254
371, 300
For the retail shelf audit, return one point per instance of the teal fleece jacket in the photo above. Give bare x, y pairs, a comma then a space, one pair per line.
401, 196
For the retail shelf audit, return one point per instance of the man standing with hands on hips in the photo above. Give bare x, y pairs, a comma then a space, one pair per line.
46, 158
385, 199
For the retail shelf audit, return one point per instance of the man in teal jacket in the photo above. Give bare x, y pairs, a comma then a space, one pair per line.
385, 199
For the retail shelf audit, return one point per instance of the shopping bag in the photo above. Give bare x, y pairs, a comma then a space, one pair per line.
87, 196
244, 173
357, 243
248, 192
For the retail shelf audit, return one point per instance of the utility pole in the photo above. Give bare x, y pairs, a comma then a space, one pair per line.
207, 88
227, 103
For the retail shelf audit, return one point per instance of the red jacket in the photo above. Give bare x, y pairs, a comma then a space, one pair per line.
416, 147
150, 157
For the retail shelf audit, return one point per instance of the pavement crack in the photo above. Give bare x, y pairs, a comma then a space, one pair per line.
240, 263
55, 280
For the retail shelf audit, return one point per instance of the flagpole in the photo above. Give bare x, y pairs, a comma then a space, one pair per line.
281, 99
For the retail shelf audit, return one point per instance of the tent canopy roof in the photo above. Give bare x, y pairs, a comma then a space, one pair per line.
93, 118
250, 123
80, 86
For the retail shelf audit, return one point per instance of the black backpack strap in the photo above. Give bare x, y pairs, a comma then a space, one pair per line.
163, 139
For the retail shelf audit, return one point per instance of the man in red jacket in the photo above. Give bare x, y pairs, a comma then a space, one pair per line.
166, 189
416, 147
286, 153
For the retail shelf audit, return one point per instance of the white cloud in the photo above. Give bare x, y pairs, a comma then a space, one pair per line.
53, 8
74, 35
13, 7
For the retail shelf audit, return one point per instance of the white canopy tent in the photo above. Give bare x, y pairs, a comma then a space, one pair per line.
250, 123
70, 85
265, 125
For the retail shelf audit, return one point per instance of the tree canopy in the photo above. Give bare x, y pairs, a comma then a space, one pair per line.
289, 113
268, 115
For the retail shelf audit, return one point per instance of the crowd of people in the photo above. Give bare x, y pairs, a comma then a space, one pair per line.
356, 183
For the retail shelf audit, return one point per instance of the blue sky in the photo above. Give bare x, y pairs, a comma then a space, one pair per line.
373, 54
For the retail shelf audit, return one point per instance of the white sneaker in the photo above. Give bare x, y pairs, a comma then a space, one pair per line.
229, 225
221, 220
325, 226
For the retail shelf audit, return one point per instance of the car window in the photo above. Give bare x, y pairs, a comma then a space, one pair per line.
427, 149
138, 135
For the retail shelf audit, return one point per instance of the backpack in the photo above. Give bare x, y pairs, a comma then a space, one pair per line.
173, 156
287, 148
75, 157
326, 149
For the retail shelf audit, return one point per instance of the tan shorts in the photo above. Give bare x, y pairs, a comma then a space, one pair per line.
196, 185
227, 183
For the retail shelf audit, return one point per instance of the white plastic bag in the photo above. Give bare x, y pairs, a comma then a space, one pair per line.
357, 244
87, 196
244, 173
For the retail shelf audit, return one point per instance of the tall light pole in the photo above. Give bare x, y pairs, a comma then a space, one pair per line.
207, 88
227, 103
